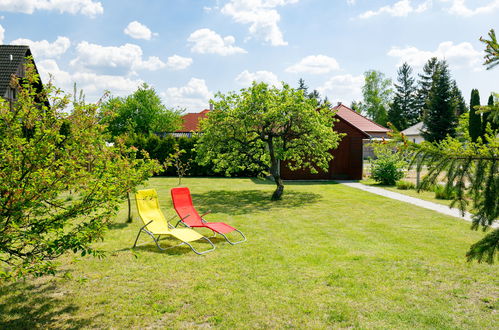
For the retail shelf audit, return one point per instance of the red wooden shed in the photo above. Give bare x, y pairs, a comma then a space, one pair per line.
348, 157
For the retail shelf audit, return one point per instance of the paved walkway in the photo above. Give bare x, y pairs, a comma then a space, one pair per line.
453, 212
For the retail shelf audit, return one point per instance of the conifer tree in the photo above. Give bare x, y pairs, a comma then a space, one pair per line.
439, 117
458, 102
475, 120
425, 83
487, 119
403, 111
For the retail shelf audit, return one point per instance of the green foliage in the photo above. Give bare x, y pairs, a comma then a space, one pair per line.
175, 160
458, 102
472, 173
405, 185
491, 50
439, 117
261, 126
60, 184
389, 165
475, 124
377, 95
141, 112
403, 110
444, 192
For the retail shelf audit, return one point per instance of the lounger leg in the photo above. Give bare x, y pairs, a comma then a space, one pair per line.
203, 252
237, 242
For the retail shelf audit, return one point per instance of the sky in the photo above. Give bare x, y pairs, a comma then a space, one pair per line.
188, 50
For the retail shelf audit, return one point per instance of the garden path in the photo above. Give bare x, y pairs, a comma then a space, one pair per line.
453, 212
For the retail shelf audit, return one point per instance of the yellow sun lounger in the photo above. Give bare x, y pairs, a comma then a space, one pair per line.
155, 224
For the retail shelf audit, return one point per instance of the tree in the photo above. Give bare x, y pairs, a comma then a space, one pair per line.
471, 169
60, 184
377, 96
262, 126
458, 102
475, 123
487, 118
491, 50
425, 82
141, 112
439, 116
403, 111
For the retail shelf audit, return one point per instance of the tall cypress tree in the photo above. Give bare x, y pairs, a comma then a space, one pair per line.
403, 111
439, 117
475, 121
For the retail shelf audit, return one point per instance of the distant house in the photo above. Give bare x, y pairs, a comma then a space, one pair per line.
413, 133
347, 163
12, 63
190, 123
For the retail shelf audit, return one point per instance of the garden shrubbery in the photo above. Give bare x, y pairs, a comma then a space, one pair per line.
405, 185
389, 165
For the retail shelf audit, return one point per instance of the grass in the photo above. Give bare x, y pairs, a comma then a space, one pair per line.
327, 256
424, 195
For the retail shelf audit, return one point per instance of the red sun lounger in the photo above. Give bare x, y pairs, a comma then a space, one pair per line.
182, 202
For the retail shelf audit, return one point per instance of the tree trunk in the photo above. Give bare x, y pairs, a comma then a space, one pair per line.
129, 219
274, 170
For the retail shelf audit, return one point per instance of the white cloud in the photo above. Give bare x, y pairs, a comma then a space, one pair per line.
127, 56
343, 88
458, 55
314, 64
399, 9
44, 48
2, 34
351, 2
138, 30
194, 96
93, 85
177, 62
246, 78
262, 17
206, 41
459, 8
86, 7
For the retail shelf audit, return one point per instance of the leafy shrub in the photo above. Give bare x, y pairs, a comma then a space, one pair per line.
444, 192
405, 185
389, 166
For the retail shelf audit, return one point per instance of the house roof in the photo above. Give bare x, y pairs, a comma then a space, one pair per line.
413, 130
358, 121
10, 58
191, 121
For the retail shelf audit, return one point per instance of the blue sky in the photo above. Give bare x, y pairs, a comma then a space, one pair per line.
190, 49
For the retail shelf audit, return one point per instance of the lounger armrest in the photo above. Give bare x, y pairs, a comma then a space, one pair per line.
147, 224
182, 221
208, 212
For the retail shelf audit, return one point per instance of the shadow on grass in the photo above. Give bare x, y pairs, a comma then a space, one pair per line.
118, 225
172, 246
249, 201
26, 306
293, 182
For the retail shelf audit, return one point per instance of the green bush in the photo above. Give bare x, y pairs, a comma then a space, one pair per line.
444, 192
405, 185
389, 165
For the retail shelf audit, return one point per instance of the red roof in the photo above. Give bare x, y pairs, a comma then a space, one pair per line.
358, 121
191, 121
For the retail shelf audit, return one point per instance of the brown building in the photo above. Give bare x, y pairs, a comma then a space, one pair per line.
348, 157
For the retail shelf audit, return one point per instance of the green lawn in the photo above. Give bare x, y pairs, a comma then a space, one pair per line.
327, 256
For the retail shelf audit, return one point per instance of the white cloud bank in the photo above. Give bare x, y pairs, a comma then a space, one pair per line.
343, 88
314, 64
262, 17
246, 78
206, 41
194, 96
127, 56
138, 30
85, 7
458, 55
459, 8
399, 9
44, 48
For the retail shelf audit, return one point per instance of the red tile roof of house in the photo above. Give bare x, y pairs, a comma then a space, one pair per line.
357, 120
191, 121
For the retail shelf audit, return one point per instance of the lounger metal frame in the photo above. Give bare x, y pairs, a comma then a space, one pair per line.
156, 239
